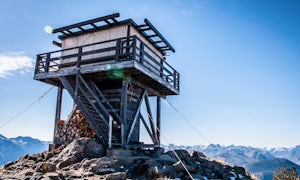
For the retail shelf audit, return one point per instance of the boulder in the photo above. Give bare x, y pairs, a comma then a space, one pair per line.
102, 166
77, 151
182, 154
158, 152
116, 176
72, 174
197, 156
45, 167
180, 168
51, 176
167, 159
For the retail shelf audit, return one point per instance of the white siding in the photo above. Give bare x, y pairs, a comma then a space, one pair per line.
99, 36
157, 55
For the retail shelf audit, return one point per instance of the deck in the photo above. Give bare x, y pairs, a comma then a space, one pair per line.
127, 57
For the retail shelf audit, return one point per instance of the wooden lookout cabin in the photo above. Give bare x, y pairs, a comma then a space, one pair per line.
109, 67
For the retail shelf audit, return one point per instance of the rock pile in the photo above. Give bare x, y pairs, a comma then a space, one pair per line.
85, 158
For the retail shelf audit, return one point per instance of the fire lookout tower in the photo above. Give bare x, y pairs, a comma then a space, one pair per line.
109, 67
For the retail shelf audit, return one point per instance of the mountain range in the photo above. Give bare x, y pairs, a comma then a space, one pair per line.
261, 162
13, 148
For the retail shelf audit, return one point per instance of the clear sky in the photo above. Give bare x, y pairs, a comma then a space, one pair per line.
239, 63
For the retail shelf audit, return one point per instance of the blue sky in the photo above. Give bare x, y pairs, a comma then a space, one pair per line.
239, 63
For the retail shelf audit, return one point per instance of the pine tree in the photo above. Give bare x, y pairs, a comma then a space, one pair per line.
285, 173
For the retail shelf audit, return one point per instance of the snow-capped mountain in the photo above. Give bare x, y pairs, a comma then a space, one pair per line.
260, 161
293, 154
13, 148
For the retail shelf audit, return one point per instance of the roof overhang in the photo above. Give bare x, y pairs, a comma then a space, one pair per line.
105, 22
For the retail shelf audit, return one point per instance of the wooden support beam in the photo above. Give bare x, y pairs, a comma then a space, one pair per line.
92, 21
136, 117
147, 22
158, 118
150, 90
110, 132
123, 113
77, 72
151, 120
146, 126
58, 110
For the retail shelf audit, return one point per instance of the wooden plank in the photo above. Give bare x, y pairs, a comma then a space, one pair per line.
147, 22
123, 108
146, 126
158, 118
137, 83
58, 110
92, 21
106, 101
110, 132
152, 125
136, 116
155, 77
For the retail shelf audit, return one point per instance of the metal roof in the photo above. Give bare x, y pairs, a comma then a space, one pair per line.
105, 22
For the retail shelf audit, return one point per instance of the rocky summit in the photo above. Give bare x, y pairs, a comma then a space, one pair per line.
85, 158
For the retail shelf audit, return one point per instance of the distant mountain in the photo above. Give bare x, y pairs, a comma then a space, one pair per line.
259, 161
9, 151
30, 145
293, 154
264, 169
13, 148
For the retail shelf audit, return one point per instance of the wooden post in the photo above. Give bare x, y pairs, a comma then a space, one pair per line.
77, 72
151, 120
110, 132
47, 62
58, 110
123, 114
158, 117
142, 52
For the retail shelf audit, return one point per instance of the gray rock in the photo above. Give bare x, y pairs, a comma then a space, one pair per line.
102, 166
167, 159
158, 152
116, 176
86, 163
239, 170
6, 166
197, 156
77, 151
180, 168
182, 154
45, 167
36, 176
51, 176
72, 174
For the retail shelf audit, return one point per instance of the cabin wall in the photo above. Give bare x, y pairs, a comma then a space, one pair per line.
99, 36
150, 49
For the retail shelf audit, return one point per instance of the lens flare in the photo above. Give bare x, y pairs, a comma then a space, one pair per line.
48, 29
114, 72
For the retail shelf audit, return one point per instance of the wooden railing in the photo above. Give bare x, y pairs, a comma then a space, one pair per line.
111, 51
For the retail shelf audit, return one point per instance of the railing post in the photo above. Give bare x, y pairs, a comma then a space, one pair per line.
38, 59
58, 111
77, 71
142, 53
134, 48
177, 81
110, 132
161, 68
47, 62
118, 48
